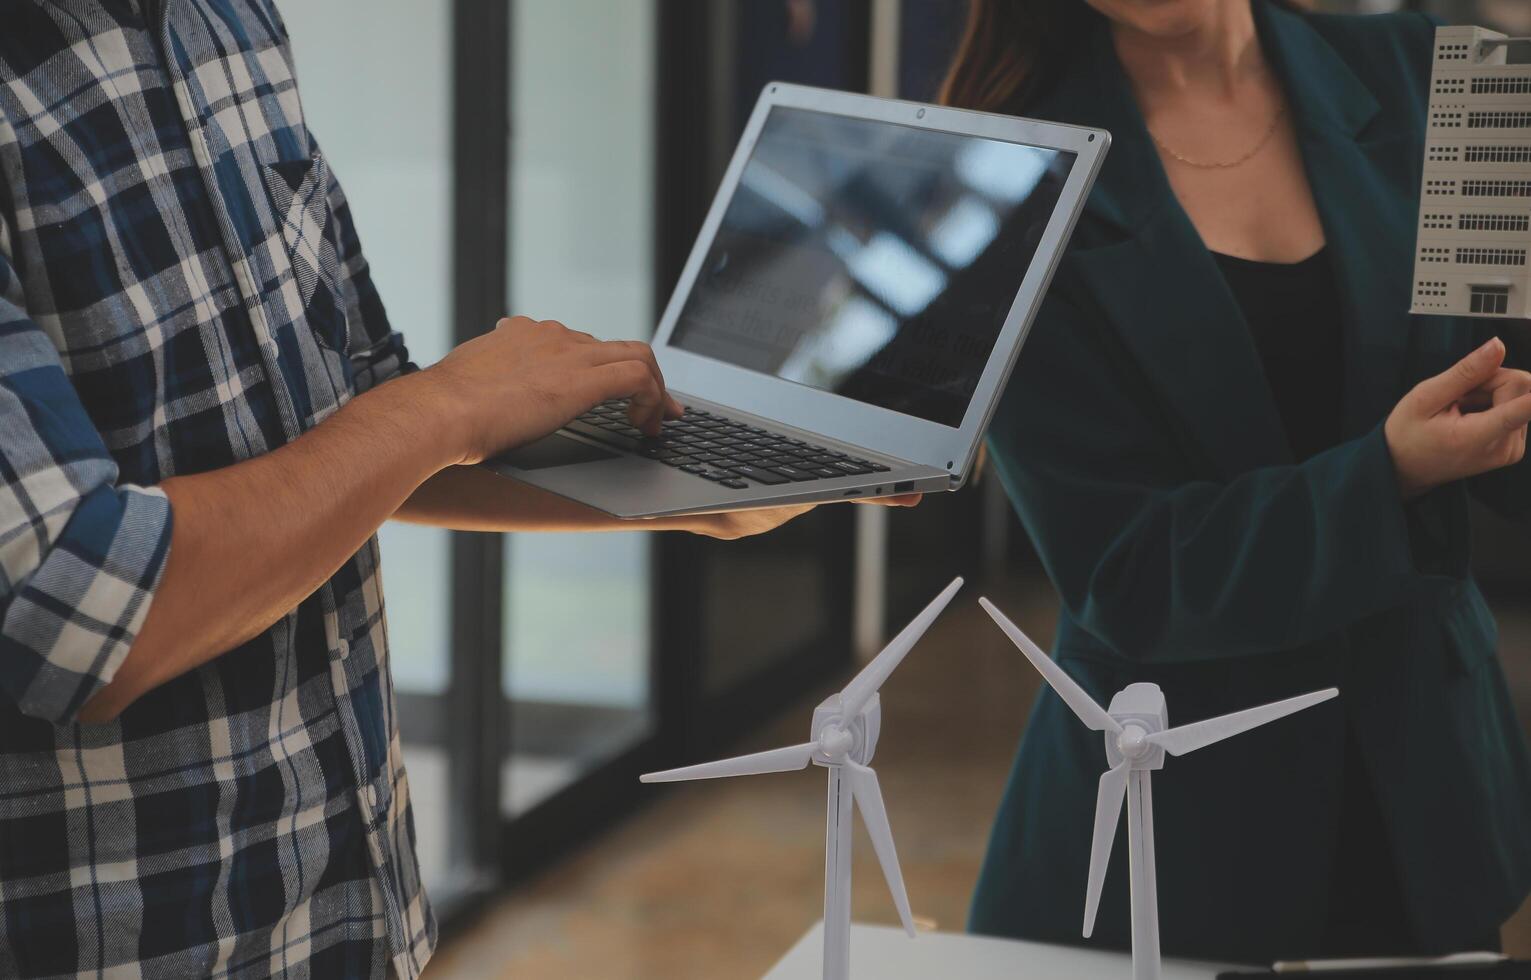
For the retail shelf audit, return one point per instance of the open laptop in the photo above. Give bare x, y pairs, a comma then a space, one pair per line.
849, 314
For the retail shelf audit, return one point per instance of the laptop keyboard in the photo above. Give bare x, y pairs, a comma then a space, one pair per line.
723, 450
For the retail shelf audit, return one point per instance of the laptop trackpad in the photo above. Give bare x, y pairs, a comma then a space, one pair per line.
553, 450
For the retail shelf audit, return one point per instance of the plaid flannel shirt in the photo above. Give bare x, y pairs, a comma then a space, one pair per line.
181, 288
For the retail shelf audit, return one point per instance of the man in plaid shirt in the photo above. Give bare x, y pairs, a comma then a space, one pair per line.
204, 418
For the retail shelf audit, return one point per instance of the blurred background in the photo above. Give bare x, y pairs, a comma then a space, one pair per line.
559, 159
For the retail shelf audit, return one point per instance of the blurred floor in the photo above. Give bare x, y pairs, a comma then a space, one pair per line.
717, 880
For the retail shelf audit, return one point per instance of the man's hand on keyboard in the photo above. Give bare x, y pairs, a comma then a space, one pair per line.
525, 379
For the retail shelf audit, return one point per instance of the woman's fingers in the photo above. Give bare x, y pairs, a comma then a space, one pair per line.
1491, 427
1506, 384
1437, 394
1467, 420
1509, 384
1514, 414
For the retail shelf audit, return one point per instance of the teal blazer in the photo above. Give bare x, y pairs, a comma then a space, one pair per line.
1144, 454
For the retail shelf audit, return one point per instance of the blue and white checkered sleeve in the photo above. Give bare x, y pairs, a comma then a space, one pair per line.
377, 350
80, 555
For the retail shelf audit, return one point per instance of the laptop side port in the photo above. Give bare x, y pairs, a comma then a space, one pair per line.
906, 486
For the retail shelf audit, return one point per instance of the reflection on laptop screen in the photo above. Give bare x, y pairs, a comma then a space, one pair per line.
871, 259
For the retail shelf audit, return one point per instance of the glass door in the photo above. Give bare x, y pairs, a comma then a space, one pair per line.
746, 626
576, 630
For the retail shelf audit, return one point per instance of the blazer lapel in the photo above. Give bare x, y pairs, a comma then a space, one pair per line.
1362, 182
1168, 302
1161, 289
1159, 286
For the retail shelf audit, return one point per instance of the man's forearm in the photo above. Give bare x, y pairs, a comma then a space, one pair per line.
251, 541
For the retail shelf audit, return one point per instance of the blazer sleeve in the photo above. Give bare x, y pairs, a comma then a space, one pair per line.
1160, 566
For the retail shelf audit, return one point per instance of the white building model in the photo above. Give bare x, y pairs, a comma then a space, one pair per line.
1475, 204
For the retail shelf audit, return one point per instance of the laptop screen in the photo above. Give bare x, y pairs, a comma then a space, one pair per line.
871, 259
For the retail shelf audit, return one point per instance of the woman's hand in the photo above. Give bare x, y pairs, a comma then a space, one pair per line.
735, 524
1465, 421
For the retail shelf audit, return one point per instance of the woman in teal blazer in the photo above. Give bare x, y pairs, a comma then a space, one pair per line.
1192, 546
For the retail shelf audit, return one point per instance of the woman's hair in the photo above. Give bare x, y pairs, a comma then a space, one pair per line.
1012, 50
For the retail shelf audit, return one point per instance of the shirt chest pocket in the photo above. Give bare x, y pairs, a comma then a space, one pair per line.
299, 192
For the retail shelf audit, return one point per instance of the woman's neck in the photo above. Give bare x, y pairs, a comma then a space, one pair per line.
1217, 57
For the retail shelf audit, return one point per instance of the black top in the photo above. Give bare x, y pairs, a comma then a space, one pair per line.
1293, 311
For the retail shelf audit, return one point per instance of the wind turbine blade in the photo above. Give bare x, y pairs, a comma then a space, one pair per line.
1092, 714
1108, 811
865, 684
868, 796
1197, 735
774, 760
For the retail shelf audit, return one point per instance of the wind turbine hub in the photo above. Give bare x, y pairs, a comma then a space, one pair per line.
1133, 742
836, 742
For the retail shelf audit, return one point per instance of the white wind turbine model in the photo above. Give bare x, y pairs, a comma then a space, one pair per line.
1137, 736
842, 739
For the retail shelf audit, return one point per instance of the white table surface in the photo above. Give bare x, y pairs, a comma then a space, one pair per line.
885, 953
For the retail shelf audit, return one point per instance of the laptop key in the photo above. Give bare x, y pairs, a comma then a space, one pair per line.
734, 483
793, 473
606, 436
758, 474
721, 449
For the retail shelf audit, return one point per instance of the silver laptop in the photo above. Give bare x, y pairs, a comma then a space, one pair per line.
849, 315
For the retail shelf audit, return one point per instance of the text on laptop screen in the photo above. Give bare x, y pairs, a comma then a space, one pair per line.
871, 259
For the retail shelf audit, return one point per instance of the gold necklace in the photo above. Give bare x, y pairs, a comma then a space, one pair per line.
1220, 165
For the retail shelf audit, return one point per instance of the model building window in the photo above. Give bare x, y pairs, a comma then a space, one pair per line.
1498, 120
1502, 86
1490, 299
1491, 256
1498, 154
1494, 222
1496, 188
